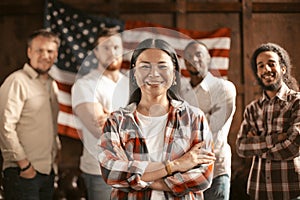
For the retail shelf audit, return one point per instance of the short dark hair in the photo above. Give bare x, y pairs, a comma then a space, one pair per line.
135, 91
195, 42
44, 33
107, 32
284, 61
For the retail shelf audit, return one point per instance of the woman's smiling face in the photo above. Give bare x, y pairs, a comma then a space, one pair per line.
154, 72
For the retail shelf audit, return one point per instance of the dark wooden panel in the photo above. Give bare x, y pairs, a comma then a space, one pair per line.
150, 7
276, 7
214, 7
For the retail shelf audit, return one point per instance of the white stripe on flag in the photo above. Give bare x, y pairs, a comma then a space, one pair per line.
64, 98
62, 76
216, 43
135, 36
69, 120
219, 63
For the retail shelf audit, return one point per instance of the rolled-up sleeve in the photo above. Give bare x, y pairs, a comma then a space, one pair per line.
199, 178
194, 180
116, 169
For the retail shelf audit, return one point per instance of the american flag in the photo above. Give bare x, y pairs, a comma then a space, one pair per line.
78, 32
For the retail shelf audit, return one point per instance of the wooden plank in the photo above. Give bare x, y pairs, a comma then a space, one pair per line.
180, 15
247, 40
15, 10
276, 7
127, 7
214, 7
116, 8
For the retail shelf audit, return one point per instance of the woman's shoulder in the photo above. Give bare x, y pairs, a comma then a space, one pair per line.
185, 107
125, 111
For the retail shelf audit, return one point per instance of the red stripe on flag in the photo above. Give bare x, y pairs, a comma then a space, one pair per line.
219, 72
213, 52
215, 72
221, 32
69, 131
64, 87
65, 108
219, 53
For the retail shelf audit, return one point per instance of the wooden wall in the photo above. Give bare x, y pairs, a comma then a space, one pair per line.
251, 23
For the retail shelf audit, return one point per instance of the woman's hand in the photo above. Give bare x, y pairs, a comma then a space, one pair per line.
195, 156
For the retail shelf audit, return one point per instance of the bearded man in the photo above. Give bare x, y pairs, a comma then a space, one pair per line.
103, 90
270, 131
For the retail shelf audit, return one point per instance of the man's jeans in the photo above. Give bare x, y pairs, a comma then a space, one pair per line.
96, 187
41, 187
219, 189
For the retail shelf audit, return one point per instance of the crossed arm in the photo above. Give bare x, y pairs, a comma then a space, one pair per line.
275, 146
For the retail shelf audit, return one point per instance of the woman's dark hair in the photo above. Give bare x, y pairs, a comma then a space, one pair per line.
135, 91
284, 61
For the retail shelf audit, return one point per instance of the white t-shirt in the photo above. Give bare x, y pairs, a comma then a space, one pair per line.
153, 129
95, 87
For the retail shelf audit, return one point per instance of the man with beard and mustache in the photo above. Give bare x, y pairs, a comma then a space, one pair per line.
216, 98
28, 123
94, 96
270, 131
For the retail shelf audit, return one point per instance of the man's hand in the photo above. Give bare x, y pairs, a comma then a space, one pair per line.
28, 170
251, 134
102, 118
93, 116
29, 173
282, 137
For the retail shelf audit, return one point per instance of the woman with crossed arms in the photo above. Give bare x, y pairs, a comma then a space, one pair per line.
157, 147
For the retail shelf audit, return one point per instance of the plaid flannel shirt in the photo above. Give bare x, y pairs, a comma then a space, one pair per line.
124, 155
275, 171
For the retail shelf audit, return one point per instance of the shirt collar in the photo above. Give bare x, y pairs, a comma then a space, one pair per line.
132, 107
30, 71
97, 72
207, 79
281, 94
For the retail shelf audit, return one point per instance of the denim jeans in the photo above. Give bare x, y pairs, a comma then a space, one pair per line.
219, 190
97, 189
40, 187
